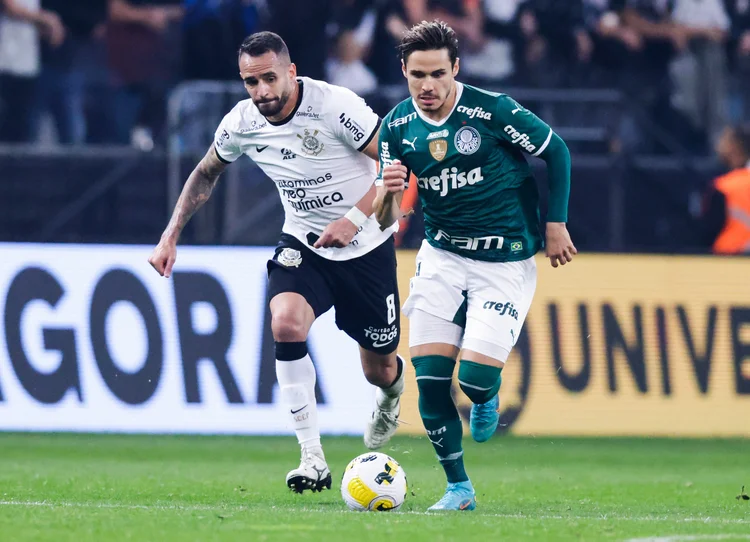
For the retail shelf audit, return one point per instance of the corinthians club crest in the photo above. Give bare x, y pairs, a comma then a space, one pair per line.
310, 143
290, 257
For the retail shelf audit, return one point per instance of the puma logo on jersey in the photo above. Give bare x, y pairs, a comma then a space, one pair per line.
474, 112
411, 143
516, 110
450, 179
520, 139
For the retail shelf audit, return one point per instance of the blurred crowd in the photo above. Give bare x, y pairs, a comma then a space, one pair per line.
99, 71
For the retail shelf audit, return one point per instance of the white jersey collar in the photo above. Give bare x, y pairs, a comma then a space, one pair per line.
459, 92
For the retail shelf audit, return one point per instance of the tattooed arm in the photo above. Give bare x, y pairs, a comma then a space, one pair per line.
194, 194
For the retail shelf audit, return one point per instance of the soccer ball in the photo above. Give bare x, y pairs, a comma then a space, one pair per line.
375, 482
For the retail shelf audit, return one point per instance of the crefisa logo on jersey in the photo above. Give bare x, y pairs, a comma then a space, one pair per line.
503, 309
450, 179
520, 139
467, 140
385, 154
474, 112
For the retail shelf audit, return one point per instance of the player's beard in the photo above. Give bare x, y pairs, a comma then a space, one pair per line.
273, 107
433, 105
436, 101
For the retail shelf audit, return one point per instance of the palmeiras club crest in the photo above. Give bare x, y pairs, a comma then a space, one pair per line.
467, 140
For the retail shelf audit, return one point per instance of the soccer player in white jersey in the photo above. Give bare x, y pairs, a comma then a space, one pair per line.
318, 143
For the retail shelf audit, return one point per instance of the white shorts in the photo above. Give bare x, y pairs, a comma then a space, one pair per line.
498, 296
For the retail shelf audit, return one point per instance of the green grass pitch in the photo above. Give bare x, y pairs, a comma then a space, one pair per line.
155, 488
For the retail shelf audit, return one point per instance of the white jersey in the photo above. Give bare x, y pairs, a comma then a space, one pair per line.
314, 159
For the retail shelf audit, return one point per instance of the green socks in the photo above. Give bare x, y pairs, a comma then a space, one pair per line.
439, 414
479, 382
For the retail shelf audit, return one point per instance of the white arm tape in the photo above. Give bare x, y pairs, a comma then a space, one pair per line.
357, 217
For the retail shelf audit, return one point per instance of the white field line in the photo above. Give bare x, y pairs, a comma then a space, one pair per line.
242, 508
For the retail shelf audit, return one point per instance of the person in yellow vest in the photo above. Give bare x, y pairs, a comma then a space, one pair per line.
727, 213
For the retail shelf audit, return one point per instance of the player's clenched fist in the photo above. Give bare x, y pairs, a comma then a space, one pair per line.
394, 177
163, 257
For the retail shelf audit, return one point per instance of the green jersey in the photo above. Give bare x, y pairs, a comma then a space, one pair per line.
478, 194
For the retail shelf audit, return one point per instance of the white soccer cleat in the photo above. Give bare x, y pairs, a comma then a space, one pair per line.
313, 474
381, 426
384, 420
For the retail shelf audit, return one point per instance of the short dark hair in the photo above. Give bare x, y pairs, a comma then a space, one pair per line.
261, 43
429, 36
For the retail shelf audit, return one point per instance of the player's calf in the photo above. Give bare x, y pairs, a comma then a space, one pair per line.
384, 421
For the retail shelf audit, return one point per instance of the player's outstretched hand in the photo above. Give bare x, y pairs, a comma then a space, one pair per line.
560, 249
163, 257
337, 234
394, 177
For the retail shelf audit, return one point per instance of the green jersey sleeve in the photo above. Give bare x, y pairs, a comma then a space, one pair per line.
521, 127
388, 150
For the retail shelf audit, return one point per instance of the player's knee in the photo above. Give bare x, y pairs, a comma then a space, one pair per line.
479, 382
288, 326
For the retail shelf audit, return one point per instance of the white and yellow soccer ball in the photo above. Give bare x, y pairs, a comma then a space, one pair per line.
374, 482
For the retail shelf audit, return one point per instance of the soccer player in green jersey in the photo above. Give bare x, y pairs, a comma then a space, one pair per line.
476, 275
